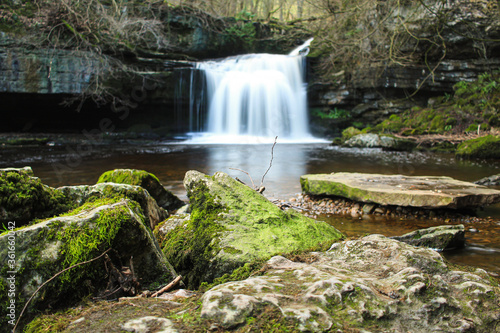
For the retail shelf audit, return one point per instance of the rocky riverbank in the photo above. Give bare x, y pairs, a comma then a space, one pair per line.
253, 265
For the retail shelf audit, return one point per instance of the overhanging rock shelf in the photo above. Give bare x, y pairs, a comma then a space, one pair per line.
399, 190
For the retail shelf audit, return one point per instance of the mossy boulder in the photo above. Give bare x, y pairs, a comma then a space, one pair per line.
349, 133
146, 180
484, 147
81, 194
52, 245
23, 197
230, 225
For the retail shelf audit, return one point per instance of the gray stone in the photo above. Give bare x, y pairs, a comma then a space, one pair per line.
445, 237
359, 284
148, 323
399, 190
371, 140
489, 181
53, 245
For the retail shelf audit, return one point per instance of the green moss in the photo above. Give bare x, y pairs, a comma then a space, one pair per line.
127, 176
232, 224
484, 147
61, 244
349, 133
145, 180
190, 248
25, 197
239, 274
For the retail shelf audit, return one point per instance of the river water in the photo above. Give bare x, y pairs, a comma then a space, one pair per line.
64, 165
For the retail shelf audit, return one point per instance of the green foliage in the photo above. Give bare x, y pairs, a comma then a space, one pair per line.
242, 33
331, 114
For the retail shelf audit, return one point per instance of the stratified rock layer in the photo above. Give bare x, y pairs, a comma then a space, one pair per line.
399, 190
374, 284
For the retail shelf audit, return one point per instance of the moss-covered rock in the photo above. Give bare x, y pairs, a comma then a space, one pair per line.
398, 190
49, 247
349, 133
484, 147
23, 197
82, 194
373, 284
230, 225
146, 180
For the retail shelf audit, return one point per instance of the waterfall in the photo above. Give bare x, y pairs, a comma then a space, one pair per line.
256, 97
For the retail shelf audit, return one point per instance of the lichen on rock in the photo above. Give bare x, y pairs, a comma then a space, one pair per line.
374, 284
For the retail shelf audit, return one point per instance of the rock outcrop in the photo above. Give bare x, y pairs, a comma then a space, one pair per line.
399, 190
372, 284
51, 246
230, 225
374, 90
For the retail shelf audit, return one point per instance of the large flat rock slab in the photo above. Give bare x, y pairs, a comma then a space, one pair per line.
399, 190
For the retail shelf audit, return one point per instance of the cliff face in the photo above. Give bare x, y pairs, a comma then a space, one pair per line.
36, 79
469, 45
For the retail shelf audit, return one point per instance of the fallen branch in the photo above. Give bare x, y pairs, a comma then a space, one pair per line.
52, 278
168, 286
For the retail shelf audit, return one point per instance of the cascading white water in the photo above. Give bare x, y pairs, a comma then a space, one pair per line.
257, 96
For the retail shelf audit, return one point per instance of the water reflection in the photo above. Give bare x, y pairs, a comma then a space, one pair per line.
170, 162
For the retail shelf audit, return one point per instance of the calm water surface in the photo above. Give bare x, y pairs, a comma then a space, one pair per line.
58, 166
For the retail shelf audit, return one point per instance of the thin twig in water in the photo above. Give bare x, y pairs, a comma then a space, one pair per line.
52, 278
270, 162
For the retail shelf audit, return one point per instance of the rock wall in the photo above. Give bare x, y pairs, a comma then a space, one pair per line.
470, 46
45, 71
